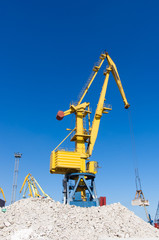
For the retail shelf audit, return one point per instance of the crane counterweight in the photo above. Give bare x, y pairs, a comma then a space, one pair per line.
60, 115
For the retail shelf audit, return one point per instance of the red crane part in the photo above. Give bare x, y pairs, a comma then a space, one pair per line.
102, 201
156, 225
60, 115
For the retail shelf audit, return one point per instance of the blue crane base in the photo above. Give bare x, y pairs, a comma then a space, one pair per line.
75, 184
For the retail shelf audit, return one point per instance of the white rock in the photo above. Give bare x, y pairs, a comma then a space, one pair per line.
45, 219
7, 224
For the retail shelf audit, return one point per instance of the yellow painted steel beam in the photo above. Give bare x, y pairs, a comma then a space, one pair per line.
95, 69
98, 114
41, 189
25, 180
117, 79
1, 191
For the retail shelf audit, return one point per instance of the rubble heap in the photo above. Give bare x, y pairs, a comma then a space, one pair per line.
45, 219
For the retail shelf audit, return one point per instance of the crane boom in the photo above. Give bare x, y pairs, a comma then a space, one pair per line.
117, 79
98, 115
95, 71
100, 107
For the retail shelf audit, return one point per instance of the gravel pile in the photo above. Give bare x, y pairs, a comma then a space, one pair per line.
45, 219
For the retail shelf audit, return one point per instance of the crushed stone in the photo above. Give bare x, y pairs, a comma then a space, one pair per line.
45, 219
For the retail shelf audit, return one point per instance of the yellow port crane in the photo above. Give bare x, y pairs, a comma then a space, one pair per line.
30, 184
75, 165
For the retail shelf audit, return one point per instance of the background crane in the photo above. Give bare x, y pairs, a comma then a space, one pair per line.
30, 184
76, 165
156, 221
139, 199
2, 202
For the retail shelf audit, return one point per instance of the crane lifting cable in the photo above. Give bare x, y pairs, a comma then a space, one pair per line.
30, 184
139, 199
135, 159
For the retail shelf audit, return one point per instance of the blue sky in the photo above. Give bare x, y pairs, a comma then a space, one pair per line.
47, 51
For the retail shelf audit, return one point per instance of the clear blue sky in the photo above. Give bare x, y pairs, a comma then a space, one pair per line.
47, 51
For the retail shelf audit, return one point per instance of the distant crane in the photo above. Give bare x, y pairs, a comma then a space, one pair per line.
2, 202
139, 199
156, 221
30, 184
76, 165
